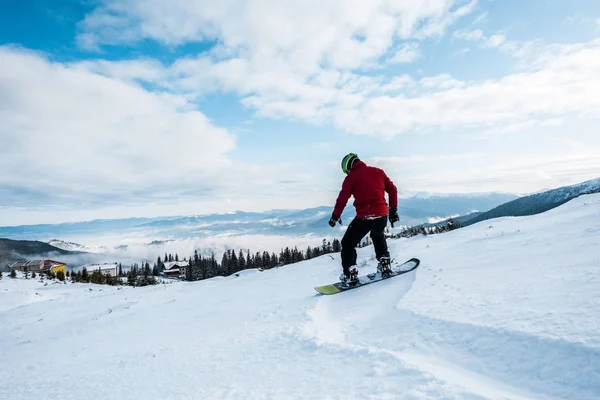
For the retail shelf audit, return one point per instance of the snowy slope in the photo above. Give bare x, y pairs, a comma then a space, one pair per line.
506, 309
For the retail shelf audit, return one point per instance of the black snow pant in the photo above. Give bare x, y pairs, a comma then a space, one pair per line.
357, 230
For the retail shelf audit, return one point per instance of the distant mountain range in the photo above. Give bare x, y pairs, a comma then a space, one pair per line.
413, 210
536, 203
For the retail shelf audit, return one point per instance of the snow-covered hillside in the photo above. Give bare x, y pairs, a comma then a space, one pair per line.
505, 309
71, 246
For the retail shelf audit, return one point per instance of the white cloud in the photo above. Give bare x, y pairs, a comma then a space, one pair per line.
282, 73
462, 51
442, 81
73, 137
67, 130
128, 70
302, 35
469, 34
495, 40
560, 81
481, 18
406, 54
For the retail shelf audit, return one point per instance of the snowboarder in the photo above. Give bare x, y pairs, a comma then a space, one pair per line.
368, 185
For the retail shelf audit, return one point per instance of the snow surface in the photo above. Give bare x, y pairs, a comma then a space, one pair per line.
505, 309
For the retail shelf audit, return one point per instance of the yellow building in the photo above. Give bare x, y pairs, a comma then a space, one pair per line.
58, 267
51, 266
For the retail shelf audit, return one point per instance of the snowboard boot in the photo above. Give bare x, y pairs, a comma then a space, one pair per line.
350, 277
384, 267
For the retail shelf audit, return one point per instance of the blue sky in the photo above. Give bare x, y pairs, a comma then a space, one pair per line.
144, 108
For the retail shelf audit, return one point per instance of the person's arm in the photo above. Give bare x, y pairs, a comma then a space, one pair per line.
343, 198
392, 192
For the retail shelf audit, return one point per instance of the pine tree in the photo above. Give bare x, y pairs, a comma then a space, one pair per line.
241, 261
337, 246
1, 273
147, 277
266, 260
132, 275
96, 277
60, 275
225, 262
188, 271
257, 261
315, 252
309, 253
288, 256
233, 263
121, 269
176, 257
274, 260
13, 273
214, 267
296, 256
33, 275
26, 270
109, 279
282, 256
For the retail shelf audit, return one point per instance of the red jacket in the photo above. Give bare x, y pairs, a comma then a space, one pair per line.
368, 186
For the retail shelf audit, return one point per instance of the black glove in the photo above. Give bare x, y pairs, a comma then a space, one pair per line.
394, 216
333, 220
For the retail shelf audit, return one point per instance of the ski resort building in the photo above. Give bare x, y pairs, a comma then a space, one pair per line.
110, 269
176, 269
39, 266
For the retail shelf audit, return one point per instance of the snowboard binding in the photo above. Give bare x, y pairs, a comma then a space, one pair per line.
351, 279
384, 267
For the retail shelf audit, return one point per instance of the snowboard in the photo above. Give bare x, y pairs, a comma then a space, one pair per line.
397, 269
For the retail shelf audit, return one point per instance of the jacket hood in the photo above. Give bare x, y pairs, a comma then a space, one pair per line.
357, 164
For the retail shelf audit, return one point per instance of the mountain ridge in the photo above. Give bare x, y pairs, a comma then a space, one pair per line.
538, 202
412, 211
17, 250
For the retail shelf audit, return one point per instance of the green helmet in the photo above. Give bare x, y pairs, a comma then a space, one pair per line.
348, 161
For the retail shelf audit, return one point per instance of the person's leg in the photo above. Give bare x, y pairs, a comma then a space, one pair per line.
378, 235
357, 229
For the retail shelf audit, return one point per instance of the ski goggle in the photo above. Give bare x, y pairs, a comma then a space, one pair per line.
348, 161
